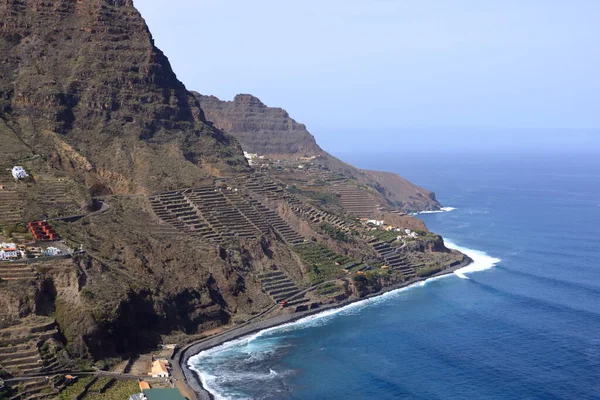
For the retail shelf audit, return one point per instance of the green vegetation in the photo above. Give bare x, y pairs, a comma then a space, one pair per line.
322, 262
120, 390
10, 230
99, 384
336, 234
383, 235
321, 197
6, 393
426, 235
429, 270
329, 289
369, 282
75, 389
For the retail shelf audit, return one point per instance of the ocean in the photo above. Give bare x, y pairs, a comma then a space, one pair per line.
523, 322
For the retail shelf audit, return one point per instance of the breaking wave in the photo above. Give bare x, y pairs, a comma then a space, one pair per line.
249, 350
243, 356
441, 210
481, 260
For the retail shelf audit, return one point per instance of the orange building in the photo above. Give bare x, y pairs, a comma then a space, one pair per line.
42, 231
159, 369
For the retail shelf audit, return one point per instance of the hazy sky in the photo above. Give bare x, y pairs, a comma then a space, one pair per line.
371, 72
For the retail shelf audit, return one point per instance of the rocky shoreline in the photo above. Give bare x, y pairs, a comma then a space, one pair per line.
192, 379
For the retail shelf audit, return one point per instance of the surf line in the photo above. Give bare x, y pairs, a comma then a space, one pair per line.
481, 261
441, 210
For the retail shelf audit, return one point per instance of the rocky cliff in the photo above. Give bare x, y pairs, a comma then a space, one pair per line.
83, 84
260, 129
189, 237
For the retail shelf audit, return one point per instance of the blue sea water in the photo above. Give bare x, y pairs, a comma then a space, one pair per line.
524, 325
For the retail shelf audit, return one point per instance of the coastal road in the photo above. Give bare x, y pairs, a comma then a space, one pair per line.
116, 375
180, 357
192, 391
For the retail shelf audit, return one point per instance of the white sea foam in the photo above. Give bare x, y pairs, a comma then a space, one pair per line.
481, 260
441, 210
245, 344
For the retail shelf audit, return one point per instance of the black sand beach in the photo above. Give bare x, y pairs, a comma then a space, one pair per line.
181, 358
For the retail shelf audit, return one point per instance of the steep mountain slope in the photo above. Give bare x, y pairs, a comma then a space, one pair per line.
260, 129
83, 84
188, 237
89, 106
272, 133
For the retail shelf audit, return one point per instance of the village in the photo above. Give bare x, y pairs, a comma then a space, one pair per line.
38, 242
217, 213
374, 224
154, 381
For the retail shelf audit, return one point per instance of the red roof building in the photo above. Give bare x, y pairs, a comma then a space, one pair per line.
42, 231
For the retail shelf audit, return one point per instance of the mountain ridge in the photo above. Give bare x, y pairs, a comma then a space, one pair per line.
123, 122
273, 133
167, 231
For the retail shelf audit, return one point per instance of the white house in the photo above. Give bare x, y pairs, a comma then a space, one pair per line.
250, 157
19, 172
52, 251
159, 369
375, 222
9, 251
410, 233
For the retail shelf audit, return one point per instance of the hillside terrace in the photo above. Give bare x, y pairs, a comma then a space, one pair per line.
218, 214
22, 350
280, 287
356, 201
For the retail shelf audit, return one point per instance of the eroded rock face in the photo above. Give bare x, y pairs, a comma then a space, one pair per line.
260, 129
273, 133
83, 83
92, 107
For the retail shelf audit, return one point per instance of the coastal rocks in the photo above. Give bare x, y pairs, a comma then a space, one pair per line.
92, 108
430, 243
403, 221
403, 194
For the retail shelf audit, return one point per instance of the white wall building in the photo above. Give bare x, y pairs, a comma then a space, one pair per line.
250, 157
375, 222
52, 251
19, 172
9, 251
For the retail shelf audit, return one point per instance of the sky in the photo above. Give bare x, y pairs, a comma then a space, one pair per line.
410, 74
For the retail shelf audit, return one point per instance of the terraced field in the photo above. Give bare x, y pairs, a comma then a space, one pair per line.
324, 264
356, 201
280, 287
20, 347
11, 271
11, 204
220, 214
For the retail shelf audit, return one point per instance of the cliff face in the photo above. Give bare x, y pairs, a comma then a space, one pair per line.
260, 129
89, 106
271, 132
399, 191
83, 84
